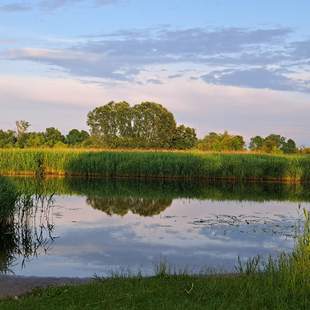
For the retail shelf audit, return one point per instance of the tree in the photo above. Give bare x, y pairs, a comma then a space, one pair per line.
7, 138
21, 127
153, 125
221, 142
53, 136
147, 124
35, 139
184, 138
256, 143
273, 144
112, 123
76, 137
289, 147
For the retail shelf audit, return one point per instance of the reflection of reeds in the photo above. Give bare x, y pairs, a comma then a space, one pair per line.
26, 228
164, 189
33, 226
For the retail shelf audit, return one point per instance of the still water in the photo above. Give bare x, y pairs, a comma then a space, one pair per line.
81, 228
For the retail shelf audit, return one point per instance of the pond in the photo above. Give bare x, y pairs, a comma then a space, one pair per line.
72, 227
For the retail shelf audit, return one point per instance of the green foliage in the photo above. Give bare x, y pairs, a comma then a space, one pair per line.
273, 144
256, 143
289, 147
186, 165
111, 123
35, 139
153, 125
7, 138
184, 138
8, 197
53, 136
146, 125
221, 142
76, 137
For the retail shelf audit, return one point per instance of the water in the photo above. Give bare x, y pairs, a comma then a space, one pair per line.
82, 228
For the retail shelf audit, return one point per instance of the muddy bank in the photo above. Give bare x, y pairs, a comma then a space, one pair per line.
11, 286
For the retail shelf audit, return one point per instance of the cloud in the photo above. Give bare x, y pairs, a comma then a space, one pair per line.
301, 49
49, 5
175, 76
255, 78
56, 4
154, 81
255, 58
123, 55
15, 7
203, 106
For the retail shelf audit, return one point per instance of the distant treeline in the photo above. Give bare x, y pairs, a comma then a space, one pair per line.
145, 125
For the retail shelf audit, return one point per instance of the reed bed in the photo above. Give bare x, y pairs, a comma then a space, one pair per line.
155, 164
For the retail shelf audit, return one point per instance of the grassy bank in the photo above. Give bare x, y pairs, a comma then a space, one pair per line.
281, 283
145, 164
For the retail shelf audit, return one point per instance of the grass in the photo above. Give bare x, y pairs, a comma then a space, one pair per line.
282, 283
155, 164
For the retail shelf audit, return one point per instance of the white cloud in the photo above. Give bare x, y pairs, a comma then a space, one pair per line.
64, 103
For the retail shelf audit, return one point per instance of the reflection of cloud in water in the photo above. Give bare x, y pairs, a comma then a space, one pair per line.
99, 243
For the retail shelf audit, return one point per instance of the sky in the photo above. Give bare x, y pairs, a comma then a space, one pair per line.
241, 65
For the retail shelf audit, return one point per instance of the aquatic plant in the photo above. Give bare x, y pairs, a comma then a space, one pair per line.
155, 164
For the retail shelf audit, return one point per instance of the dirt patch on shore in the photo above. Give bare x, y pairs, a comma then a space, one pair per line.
11, 286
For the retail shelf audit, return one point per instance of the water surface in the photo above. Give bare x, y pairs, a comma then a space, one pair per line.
79, 228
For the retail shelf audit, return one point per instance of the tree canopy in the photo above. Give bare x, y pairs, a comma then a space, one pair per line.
221, 142
273, 144
144, 125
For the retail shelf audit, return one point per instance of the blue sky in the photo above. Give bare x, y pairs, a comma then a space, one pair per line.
241, 66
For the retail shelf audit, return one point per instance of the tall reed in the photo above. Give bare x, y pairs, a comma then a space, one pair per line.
146, 164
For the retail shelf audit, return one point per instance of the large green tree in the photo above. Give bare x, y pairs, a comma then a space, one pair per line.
147, 124
153, 125
112, 123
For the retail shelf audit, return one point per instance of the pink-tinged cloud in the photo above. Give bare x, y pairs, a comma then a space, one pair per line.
64, 103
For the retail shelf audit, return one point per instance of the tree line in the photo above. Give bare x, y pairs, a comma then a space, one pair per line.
144, 125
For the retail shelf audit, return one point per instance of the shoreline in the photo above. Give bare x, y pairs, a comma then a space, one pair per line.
206, 179
15, 286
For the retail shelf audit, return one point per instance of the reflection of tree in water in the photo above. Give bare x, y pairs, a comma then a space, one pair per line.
145, 206
25, 226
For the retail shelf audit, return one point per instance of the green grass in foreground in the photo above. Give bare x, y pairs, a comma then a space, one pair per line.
282, 283
147, 164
